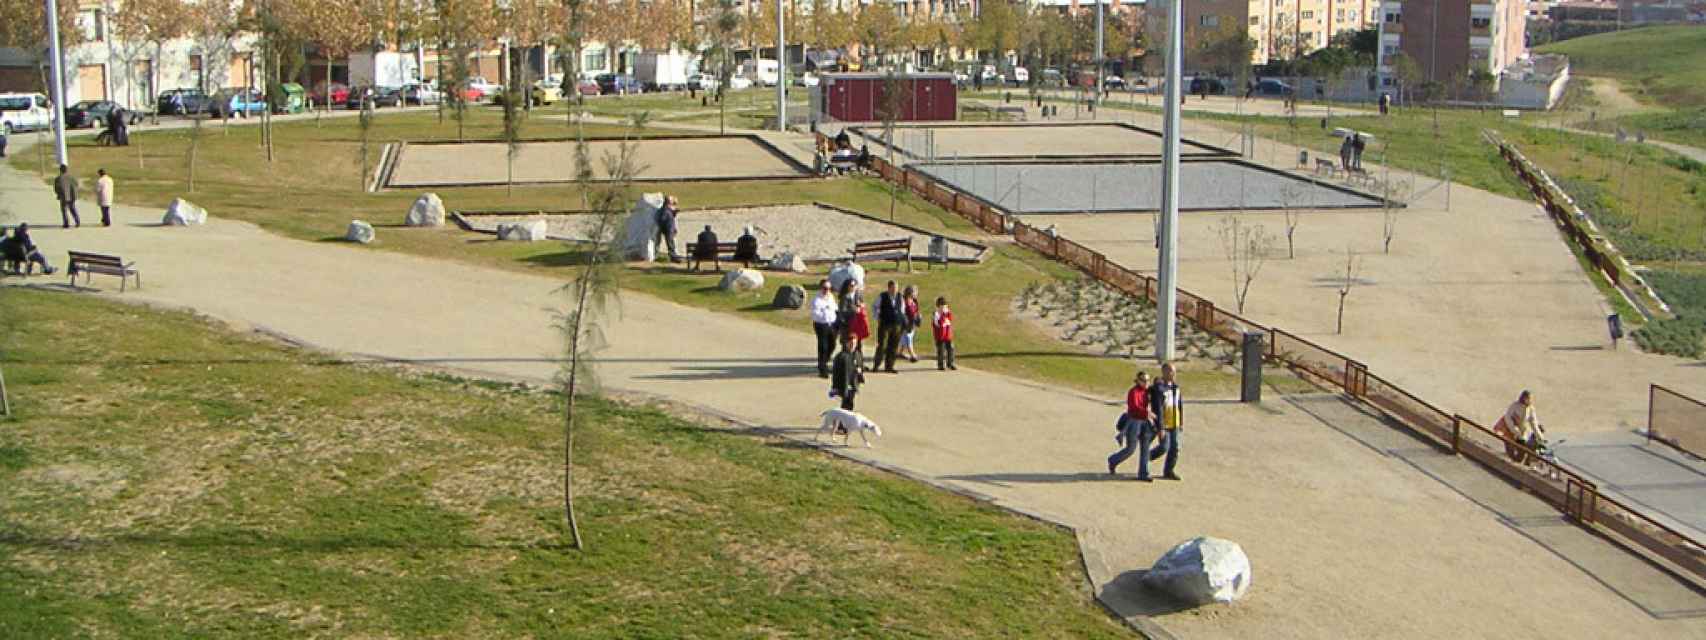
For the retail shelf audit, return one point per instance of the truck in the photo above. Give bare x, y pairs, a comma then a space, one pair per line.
25, 112
382, 69
760, 71
662, 70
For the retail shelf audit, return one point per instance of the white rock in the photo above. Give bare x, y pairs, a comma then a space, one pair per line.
1201, 571
182, 213
742, 280
640, 233
529, 231
843, 271
427, 211
787, 262
359, 231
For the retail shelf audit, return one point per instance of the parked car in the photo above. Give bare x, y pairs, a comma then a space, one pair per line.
547, 90
807, 79
1018, 77
421, 93
381, 97
587, 88
1201, 84
24, 112
1052, 78
736, 83
181, 102
1272, 87
609, 83
89, 113
702, 82
1113, 83
487, 89
236, 101
338, 95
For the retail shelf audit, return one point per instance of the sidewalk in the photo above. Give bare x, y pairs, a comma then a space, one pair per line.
1347, 539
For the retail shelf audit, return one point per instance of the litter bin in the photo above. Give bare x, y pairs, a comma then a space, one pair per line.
290, 98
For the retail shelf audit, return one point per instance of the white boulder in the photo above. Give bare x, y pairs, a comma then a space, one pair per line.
427, 211
741, 280
182, 213
640, 233
528, 231
359, 231
1201, 571
844, 271
789, 262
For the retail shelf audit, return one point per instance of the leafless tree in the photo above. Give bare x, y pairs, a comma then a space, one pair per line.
1289, 199
1352, 267
1247, 248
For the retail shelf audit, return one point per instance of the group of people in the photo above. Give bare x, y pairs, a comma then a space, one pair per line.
841, 317
65, 191
1350, 152
746, 246
1154, 412
837, 154
20, 253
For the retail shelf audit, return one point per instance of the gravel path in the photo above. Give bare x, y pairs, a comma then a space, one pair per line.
812, 232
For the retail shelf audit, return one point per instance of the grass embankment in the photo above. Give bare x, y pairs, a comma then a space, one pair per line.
1663, 68
312, 192
166, 478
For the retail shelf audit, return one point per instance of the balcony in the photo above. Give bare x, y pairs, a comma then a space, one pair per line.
1393, 28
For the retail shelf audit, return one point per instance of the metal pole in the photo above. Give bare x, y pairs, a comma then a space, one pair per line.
781, 69
1101, 65
1167, 320
57, 88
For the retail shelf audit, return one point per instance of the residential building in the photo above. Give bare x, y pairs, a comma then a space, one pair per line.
1449, 39
1280, 29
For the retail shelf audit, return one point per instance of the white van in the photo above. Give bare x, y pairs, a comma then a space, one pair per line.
761, 72
25, 112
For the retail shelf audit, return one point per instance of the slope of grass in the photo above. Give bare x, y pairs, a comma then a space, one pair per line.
166, 478
1664, 65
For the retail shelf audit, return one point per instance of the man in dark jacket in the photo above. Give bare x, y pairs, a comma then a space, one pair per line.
65, 189
705, 246
21, 250
889, 321
844, 374
666, 226
1167, 413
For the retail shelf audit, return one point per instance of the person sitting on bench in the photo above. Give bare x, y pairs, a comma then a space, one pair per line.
746, 247
19, 249
864, 161
843, 141
705, 248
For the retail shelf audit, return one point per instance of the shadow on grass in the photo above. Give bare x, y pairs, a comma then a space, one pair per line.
239, 539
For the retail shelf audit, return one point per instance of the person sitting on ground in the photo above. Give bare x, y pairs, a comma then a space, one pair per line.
1520, 426
705, 246
20, 249
746, 247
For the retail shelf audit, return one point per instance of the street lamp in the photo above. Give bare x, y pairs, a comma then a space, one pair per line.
57, 88
1166, 304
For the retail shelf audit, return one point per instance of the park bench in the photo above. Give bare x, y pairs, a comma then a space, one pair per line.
93, 263
695, 257
897, 250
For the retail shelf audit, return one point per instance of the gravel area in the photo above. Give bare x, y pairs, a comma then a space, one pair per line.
1018, 140
426, 165
812, 232
1133, 186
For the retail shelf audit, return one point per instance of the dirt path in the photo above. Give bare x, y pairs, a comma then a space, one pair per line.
1347, 540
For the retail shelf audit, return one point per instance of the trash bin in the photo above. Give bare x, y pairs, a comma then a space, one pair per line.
290, 98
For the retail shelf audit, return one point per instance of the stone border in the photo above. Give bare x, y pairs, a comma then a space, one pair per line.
801, 171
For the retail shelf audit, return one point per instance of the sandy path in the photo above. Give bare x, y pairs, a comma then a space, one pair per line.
1347, 542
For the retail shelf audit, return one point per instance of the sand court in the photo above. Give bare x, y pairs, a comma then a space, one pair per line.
1034, 140
659, 159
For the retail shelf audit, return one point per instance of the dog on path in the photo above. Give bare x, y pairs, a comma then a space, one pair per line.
846, 422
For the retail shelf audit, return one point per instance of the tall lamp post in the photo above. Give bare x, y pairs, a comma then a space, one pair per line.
1101, 63
1167, 320
781, 69
57, 88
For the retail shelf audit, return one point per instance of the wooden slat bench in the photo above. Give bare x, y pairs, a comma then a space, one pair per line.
897, 250
93, 263
725, 250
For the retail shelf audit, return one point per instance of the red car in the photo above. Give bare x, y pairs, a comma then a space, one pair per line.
340, 93
472, 95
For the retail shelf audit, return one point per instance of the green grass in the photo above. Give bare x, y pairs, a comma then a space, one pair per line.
165, 478
311, 193
1664, 66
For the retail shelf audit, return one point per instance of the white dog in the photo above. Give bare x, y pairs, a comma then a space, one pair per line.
846, 422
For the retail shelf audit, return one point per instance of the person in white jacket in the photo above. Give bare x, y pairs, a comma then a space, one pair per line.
104, 196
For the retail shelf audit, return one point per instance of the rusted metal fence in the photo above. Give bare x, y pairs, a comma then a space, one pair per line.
1676, 420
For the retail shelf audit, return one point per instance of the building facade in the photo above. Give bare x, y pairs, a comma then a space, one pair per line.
1279, 29
1447, 40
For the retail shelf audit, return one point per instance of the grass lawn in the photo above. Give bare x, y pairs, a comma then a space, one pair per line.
163, 477
311, 193
1662, 65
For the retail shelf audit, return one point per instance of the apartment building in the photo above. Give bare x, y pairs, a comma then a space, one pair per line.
1279, 28
1449, 39
1120, 9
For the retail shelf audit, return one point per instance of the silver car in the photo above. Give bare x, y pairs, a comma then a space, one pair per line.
418, 93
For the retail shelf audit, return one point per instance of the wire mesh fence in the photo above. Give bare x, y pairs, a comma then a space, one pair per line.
1676, 420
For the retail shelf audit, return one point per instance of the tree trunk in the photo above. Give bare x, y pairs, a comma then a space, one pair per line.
1339, 328
569, 419
5, 401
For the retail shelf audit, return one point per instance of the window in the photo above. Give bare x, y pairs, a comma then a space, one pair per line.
1340, 15
1308, 38
89, 22
1394, 18
1308, 14
1209, 20
596, 60
1255, 21
195, 71
1386, 81
1481, 23
1390, 50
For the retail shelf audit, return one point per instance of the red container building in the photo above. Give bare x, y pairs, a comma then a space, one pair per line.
858, 97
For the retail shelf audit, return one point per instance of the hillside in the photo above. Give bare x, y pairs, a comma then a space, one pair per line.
1665, 66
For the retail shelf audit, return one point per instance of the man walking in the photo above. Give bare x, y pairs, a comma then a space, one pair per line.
823, 324
104, 196
1132, 426
844, 379
65, 189
1357, 146
1167, 410
666, 226
889, 319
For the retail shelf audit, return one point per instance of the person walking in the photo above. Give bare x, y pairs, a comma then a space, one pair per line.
845, 377
942, 323
104, 196
1345, 154
860, 326
823, 324
666, 226
1167, 408
1385, 101
890, 316
65, 189
1131, 426
910, 319
1357, 146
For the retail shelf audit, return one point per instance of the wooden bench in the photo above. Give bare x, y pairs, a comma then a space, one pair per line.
897, 250
694, 259
93, 263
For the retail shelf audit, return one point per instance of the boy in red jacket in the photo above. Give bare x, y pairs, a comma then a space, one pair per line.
943, 324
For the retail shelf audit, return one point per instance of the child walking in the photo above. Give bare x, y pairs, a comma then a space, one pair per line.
943, 324
910, 319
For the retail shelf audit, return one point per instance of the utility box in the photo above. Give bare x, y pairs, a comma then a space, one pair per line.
1251, 388
859, 97
291, 98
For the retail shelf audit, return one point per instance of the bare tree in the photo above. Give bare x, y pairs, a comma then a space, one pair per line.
593, 288
1352, 267
365, 124
1289, 198
723, 36
888, 110
1246, 248
513, 117
195, 141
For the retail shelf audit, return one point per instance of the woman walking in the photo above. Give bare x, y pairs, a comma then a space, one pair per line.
1131, 426
910, 319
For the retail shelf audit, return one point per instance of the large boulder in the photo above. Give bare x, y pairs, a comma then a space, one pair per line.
359, 231
182, 213
742, 280
844, 271
427, 211
789, 296
640, 233
789, 262
527, 231
1202, 571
